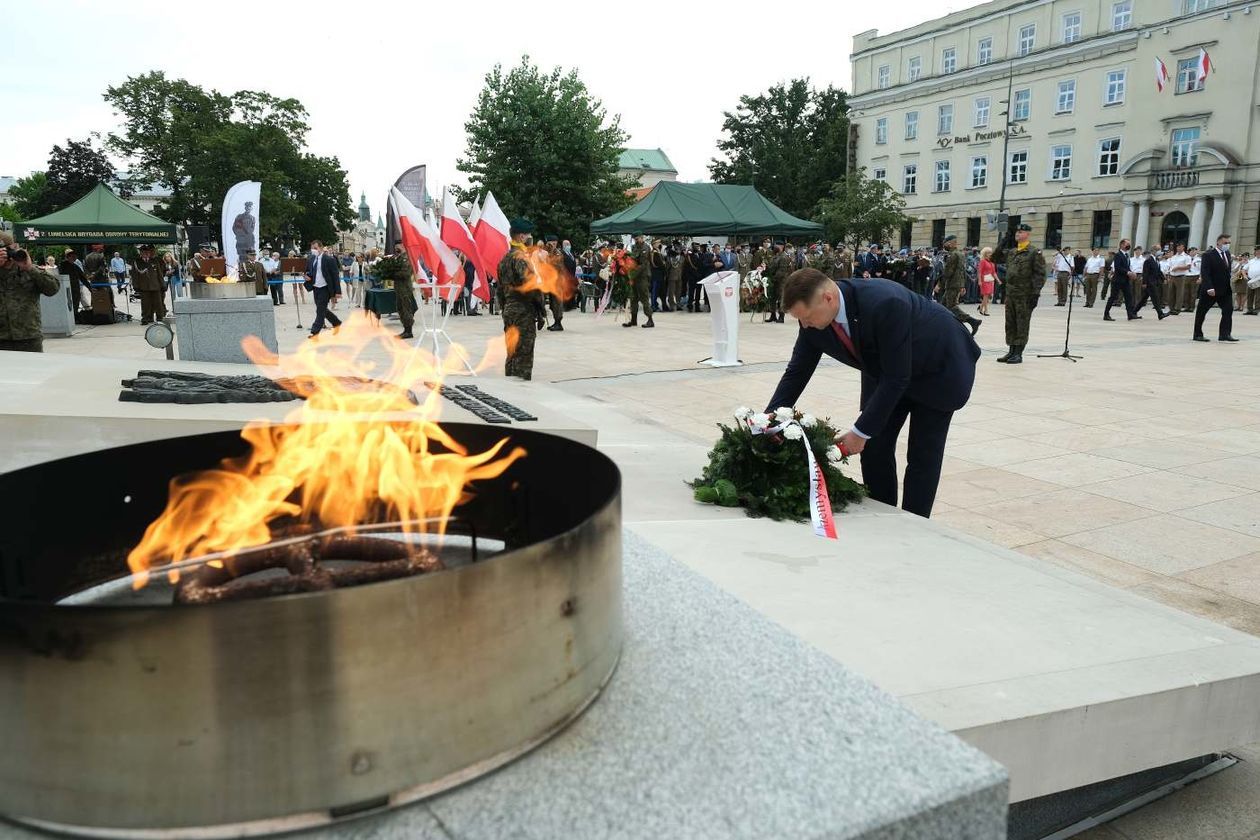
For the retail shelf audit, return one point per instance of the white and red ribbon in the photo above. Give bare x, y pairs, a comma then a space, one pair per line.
819, 502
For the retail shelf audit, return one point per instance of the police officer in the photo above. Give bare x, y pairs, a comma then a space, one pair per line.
1025, 275
954, 280
640, 282
21, 284
522, 302
405, 293
148, 278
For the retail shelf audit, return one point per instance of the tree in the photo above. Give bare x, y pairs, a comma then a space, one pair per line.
860, 209
73, 170
546, 149
200, 142
790, 142
28, 195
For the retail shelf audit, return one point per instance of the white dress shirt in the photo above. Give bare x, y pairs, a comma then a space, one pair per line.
320, 282
1062, 263
843, 320
1095, 265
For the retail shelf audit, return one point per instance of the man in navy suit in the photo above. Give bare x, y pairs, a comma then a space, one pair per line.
1121, 285
916, 360
1214, 290
323, 277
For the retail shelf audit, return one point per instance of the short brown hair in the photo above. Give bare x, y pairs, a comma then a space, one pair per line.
801, 286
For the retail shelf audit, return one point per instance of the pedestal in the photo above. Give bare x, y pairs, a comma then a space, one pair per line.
723, 292
212, 330
56, 312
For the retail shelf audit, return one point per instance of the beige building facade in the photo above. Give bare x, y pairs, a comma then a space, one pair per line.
1093, 153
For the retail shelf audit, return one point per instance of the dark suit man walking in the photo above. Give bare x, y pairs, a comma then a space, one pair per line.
917, 362
1121, 287
1214, 290
1152, 283
323, 277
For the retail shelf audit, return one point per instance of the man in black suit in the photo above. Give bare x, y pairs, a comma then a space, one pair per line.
1214, 290
323, 277
871, 264
1152, 283
916, 360
1122, 273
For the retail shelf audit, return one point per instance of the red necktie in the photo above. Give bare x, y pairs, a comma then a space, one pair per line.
846, 341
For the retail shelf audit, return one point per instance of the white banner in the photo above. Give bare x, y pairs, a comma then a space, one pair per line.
723, 291
240, 221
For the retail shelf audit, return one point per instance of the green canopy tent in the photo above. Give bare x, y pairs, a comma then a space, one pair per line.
705, 210
100, 216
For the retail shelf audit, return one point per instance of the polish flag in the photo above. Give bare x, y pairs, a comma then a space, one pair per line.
1204, 66
456, 234
422, 241
493, 234
474, 216
1161, 75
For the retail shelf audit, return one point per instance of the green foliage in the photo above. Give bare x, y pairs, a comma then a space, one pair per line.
770, 477
790, 142
860, 209
392, 268
73, 170
546, 149
28, 195
200, 142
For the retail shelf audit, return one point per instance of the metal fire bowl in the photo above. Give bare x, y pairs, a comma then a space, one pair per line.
256, 716
220, 291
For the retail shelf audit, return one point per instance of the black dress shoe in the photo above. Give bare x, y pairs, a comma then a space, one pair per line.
1201, 338
975, 326
1108, 318
1227, 338
630, 324
1135, 317
557, 327
649, 324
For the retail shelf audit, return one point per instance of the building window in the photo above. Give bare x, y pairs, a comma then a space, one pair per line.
984, 51
982, 112
910, 179
945, 119
1116, 80
1060, 163
1017, 172
883, 77
973, 232
1071, 27
879, 174
1023, 105
1054, 230
938, 233
1121, 15
1185, 146
907, 233
1193, 6
1109, 156
1100, 231
912, 125
1067, 97
881, 131
979, 171
949, 60
1027, 38
914, 68
1188, 75
942, 176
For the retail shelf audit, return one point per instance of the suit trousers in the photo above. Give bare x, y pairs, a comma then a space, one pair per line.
322, 298
1151, 292
928, 429
1206, 302
1120, 287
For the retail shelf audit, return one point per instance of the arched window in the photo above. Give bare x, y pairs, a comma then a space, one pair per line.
1176, 228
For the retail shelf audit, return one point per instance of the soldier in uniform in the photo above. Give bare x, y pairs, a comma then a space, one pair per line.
522, 302
21, 284
552, 246
743, 262
640, 282
954, 280
405, 294
778, 267
1025, 275
251, 270
148, 278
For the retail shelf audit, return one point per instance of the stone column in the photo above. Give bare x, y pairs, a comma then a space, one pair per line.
1143, 224
1217, 226
1197, 221
1126, 223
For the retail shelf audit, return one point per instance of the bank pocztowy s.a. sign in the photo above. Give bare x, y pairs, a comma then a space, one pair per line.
979, 137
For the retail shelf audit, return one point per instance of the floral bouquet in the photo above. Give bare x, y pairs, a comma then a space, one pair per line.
752, 292
391, 268
783, 465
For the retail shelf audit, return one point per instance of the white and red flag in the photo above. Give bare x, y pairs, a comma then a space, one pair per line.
456, 234
493, 233
422, 241
1161, 75
1204, 66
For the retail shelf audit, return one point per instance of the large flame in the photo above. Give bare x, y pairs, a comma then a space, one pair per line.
549, 273
351, 454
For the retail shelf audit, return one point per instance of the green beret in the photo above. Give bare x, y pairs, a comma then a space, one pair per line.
551, 237
951, 238
1025, 227
521, 225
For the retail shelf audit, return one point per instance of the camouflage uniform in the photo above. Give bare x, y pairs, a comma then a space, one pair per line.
522, 309
21, 326
1025, 275
954, 280
147, 277
778, 267
640, 282
405, 299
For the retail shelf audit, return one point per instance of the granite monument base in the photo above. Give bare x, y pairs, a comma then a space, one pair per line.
212, 330
56, 312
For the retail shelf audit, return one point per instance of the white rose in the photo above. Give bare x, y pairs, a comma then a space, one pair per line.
793, 432
743, 413
809, 421
759, 421
833, 455
784, 414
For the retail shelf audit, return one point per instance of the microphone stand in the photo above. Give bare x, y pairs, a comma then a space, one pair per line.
1068, 334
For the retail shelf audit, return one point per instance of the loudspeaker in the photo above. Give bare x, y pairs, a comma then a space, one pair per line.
198, 235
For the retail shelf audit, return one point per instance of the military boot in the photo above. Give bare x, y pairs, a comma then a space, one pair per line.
1010, 351
975, 326
1017, 355
649, 321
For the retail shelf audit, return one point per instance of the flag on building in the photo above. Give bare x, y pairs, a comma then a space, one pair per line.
456, 234
1204, 66
1161, 75
422, 241
493, 233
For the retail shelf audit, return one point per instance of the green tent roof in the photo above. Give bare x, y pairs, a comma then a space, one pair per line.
654, 160
100, 216
705, 210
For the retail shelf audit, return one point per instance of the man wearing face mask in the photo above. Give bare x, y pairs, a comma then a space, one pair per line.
1214, 290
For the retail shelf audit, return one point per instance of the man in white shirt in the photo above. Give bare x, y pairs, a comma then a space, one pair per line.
1062, 275
1093, 269
1253, 284
271, 265
1190, 298
1175, 279
323, 277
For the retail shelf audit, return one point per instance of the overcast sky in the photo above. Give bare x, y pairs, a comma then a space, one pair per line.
389, 85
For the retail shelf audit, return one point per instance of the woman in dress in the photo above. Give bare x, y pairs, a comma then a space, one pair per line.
987, 272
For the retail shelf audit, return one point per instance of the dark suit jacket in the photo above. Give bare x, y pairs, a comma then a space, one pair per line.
331, 270
909, 346
1150, 270
872, 263
1120, 266
1215, 274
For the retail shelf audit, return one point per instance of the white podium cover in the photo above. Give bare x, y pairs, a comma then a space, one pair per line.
723, 291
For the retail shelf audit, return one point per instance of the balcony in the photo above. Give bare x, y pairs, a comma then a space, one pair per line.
1173, 179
